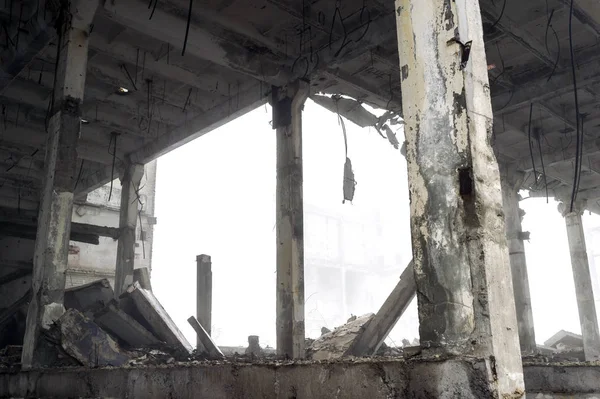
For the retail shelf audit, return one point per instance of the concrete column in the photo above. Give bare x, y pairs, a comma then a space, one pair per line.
56, 203
511, 181
287, 104
583, 282
128, 217
462, 270
204, 292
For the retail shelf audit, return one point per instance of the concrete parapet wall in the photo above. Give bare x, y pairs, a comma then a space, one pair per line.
361, 379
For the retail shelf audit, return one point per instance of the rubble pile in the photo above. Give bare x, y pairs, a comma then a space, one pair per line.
337, 343
99, 330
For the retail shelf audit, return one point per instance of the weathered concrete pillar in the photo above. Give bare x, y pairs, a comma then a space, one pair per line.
287, 119
511, 181
128, 216
583, 281
56, 203
204, 292
462, 271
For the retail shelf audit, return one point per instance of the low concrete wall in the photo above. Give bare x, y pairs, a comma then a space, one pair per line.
344, 380
558, 381
360, 380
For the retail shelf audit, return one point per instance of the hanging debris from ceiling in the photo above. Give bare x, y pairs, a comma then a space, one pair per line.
354, 111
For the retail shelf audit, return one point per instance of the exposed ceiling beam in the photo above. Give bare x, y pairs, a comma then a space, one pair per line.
256, 62
216, 117
34, 36
587, 12
540, 89
518, 34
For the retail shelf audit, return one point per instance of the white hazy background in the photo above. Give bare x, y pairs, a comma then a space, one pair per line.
216, 196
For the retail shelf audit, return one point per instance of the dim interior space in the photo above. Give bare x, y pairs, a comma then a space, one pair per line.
299, 199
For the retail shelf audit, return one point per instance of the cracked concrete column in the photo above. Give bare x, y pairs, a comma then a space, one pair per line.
128, 217
583, 281
462, 270
56, 203
288, 103
511, 180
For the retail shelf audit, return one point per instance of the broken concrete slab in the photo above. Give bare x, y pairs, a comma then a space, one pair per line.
157, 318
142, 276
124, 327
89, 298
85, 341
209, 345
337, 343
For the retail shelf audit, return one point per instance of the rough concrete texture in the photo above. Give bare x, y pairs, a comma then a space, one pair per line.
511, 180
361, 379
586, 305
88, 343
462, 271
575, 380
336, 343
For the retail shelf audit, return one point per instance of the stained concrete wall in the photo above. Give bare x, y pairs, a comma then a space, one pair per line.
359, 379
373, 380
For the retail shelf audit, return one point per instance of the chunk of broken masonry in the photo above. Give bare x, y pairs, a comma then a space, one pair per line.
157, 318
85, 341
336, 344
124, 327
89, 298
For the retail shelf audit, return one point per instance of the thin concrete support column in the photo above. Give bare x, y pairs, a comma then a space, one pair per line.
583, 281
287, 104
511, 181
128, 216
460, 254
204, 292
56, 203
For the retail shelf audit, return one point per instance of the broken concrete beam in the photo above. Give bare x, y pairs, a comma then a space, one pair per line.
142, 276
205, 339
124, 327
157, 318
89, 298
372, 336
337, 343
85, 341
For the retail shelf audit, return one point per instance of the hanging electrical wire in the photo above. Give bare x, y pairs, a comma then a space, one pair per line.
79, 174
187, 28
535, 175
349, 183
113, 141
497, 21
548, 27
538, 133
579, 139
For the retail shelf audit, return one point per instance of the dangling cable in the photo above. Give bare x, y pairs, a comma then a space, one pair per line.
187, 28
531, 145
113, 141
579, 139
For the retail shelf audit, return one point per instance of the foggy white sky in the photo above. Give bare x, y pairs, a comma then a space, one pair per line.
216, 195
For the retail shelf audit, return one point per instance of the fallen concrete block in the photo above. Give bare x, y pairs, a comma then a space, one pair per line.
337, 343
209, 345
157, 318
89, 298
124, 327
142, 275
85, 341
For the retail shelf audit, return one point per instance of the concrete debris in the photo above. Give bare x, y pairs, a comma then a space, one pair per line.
89, 298
142, 276
85, 341
209, 346
254, 346
158, 319
325, 330
335, 344
124, 327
